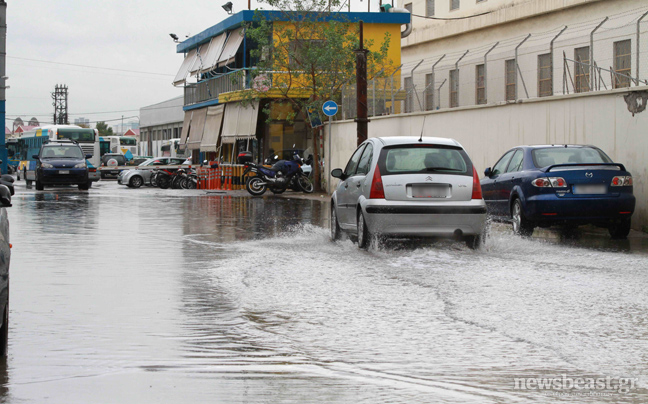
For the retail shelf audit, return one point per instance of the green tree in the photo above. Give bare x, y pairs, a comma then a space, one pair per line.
307, 57
104, 130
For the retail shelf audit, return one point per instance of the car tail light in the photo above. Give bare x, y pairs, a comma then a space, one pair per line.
92, 170
377, 190
550, 182
622, 181
477, 191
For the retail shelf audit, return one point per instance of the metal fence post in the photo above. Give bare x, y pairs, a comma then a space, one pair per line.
638, 47
551, 56
591, 62
433, 77
393, 109
517, 68
486, 70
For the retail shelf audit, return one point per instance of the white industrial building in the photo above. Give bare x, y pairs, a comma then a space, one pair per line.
495, 74
159, 122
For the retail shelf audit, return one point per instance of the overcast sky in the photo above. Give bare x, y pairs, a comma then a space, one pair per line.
117, 35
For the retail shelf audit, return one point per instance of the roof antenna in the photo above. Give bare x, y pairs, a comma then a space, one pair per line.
423, 126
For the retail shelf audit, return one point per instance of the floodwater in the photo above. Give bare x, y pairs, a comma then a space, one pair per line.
171, 296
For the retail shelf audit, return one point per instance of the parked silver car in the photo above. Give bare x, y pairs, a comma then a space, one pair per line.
408, 187
136, 178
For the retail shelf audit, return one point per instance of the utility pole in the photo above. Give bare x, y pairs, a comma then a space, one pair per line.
361, 86
60, 96
3, 78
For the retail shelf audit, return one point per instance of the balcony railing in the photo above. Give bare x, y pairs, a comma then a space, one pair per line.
210, 89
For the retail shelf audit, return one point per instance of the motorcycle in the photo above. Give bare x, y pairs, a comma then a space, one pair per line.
282, 175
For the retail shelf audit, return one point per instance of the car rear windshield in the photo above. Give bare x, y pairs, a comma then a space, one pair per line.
73, 152
568, 155
421, 159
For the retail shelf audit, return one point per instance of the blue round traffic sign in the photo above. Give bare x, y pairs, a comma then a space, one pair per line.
330, 108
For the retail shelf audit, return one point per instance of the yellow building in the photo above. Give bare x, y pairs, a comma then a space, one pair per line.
216, 74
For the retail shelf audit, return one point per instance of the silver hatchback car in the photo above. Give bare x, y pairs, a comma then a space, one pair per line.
408, 187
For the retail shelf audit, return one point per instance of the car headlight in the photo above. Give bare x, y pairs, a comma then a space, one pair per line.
81, 165
47, 165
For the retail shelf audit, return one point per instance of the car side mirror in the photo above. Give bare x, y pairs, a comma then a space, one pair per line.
338, 173
35, 156
5, 196
488, 172
88, 156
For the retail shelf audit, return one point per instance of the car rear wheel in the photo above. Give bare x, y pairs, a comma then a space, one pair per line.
364, 235
521, 225
335, 226
84, 187
474, 242
135, 182
620, 230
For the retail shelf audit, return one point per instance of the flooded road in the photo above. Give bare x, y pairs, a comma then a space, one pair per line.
167, 296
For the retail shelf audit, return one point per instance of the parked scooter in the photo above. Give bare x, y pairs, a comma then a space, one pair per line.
278, 178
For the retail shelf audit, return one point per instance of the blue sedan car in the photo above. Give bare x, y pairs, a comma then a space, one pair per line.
569, 185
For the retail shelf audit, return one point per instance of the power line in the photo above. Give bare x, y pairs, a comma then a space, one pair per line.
90, 67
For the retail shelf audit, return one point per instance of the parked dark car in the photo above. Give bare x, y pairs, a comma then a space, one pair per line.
62, 163
5, 254
111, 160
569, 185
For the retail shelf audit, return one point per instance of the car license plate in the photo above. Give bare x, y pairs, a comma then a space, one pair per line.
64, 171
430, 190
595, 189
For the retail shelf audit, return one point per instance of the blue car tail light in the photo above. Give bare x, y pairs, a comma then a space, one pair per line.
622, 181
550, 182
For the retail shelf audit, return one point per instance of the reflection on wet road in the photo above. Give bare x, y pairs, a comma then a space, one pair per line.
134, 296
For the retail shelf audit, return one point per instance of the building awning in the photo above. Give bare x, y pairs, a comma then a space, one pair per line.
212, 128
199, 60
240, 122
197, 128
185, 128
187, 63
210, 59
231, 47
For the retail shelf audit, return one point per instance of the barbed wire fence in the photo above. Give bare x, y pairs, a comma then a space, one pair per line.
594, 55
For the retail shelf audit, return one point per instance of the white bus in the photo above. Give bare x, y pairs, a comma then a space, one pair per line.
126, 145
171, 148
88, 139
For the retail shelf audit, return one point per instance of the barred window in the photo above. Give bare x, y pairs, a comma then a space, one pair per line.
429, 92
480, 91
454, 5
622, 63
429, 8
511, 79
454, 88
581, 69
545, 82
409, 94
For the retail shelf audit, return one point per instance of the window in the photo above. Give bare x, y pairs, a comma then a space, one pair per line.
429, 92
409, 94
511, 79
454, 88
581, 69
408, 7
365, 162
353, 162
411, 159
480, 95
568, 155
545, 82
429, 8
454, 5
301, 47
516, 162
500, 166
622, 63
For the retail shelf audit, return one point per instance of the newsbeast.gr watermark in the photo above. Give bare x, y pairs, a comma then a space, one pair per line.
565, 384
